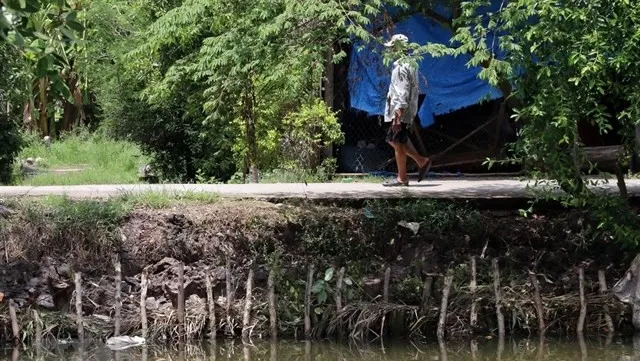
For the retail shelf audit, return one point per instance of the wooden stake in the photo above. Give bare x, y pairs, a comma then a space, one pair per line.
448, 280
473, 288
426, 295
385, 289
230, 296
78, 279
38, 323
496, 290
338, 295
603, 290
14, 322
144, 284
118, 297
273, 316
246, 321
538, 302
181, 299
211, 302
583, 302
307, 302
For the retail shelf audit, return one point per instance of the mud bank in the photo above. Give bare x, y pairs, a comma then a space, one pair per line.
418, 242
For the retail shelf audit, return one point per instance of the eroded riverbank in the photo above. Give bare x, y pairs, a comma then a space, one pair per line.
415, 243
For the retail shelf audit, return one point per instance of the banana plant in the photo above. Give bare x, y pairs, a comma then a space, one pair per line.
47, 32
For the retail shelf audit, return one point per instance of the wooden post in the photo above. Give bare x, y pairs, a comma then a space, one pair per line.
602, 280
338, 296
538, 302
181, 299
385, 289
118, 296
474, 303
38, 324
273, 316
246, 320
78, 279
583, 301
15, 328
144, 284
426, 295
211, 303
230, 296
448, 280
496, 290
307, 302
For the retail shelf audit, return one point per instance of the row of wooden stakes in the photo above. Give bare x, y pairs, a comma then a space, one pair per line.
448, 281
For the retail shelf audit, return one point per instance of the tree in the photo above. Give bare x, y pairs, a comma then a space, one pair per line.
258, 60
47, 34
570, 62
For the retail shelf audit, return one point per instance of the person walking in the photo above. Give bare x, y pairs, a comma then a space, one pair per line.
400, 111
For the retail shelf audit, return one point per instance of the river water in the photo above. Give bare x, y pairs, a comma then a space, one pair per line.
509, 350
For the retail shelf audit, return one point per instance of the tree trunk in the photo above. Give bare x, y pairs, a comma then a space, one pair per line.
329, 91
43, 121
252, 142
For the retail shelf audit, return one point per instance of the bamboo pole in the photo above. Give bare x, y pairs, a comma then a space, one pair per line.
211, 303
144, 284
385, 289
583, 301
246, 320
230, 296
38, 324
273, 316
538, 302
118, 296
496, 289
602, 280
427, 289
473, 285
15, 327
78, 281
338, 295
307, 302
181, 299
448, 280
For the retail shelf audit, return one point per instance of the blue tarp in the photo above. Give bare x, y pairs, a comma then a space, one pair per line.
448, 83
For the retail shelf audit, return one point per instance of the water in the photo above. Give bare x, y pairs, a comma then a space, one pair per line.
510, 350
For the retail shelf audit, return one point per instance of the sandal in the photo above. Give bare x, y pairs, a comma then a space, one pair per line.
395, 183
424, 170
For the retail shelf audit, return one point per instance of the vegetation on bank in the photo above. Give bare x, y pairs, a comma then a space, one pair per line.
417, 241
79, 158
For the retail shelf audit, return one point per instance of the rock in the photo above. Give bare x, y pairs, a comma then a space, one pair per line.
5, 212
372, 286
124, 342
165, 263
46, 301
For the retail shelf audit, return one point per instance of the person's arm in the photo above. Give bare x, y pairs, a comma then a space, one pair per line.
400, 99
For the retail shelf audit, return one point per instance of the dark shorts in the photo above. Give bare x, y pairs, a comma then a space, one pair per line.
401, 137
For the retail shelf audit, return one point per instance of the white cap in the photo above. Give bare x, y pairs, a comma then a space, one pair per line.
395, 38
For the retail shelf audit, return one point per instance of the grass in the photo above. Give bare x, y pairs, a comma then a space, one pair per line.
83, 158
165, 199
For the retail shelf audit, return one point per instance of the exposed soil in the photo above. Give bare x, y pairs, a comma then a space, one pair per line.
40, 260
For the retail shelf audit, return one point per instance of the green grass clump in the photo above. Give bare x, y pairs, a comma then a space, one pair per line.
166, 199
83, 158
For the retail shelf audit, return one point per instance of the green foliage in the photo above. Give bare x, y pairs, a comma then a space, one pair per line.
433, 216
571, 63
11, 85
250, 67
80, 157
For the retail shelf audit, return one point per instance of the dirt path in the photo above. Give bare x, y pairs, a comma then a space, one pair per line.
438, 188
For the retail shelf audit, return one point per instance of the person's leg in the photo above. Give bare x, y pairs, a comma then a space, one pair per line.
420, 160
401, 161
